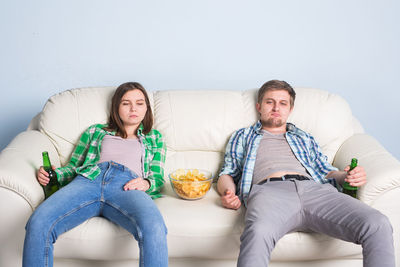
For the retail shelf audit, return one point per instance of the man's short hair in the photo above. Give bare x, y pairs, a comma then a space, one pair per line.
276, 85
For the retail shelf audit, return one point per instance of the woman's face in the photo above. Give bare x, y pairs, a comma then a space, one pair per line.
132, 108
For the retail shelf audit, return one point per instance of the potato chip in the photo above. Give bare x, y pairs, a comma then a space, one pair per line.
191, 184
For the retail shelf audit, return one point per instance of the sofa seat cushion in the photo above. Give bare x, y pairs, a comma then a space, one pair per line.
200, 228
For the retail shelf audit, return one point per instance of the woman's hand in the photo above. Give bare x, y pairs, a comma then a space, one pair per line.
43, 176
137, 184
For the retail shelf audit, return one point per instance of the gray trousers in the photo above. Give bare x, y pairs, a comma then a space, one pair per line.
276, 208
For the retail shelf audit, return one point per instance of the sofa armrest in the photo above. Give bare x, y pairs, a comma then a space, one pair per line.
383, 170
19, 162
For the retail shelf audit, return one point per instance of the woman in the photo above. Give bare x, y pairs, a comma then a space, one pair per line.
114, 172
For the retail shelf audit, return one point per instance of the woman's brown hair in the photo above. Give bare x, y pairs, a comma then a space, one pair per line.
114, 121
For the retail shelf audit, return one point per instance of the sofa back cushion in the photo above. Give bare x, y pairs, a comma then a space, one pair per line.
68, 114
196, 124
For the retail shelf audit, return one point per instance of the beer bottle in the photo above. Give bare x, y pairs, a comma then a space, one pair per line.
347, 188
53, 185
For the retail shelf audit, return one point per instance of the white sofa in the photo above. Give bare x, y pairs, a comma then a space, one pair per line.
196, 125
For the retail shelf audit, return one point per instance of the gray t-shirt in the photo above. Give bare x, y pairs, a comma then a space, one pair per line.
275, 155
127, 152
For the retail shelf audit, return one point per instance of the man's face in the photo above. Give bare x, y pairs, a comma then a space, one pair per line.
274, 108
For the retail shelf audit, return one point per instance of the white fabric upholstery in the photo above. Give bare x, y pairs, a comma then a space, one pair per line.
196, 126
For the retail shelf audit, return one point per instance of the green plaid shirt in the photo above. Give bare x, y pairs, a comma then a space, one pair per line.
87, 153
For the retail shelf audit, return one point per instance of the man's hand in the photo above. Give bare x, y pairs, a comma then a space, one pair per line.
137, 184
356, 177
226, 188
230, 200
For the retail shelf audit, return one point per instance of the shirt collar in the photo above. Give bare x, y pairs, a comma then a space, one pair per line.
140, 130
258, 127
103, 128
290, 127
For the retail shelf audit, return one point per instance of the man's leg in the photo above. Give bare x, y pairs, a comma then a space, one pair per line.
330, 212
273, 209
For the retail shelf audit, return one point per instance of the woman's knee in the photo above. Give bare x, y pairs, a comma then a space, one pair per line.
39, 228
155, 228
37, 222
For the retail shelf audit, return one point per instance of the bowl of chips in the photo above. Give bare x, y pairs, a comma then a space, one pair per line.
190, 183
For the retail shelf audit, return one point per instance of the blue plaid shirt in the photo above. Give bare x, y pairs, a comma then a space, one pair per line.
241, 152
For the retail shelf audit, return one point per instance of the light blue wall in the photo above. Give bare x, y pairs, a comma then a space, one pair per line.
346, 47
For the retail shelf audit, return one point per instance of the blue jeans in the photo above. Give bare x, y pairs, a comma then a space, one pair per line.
82, 199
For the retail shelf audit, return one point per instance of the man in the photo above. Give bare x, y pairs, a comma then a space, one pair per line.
287, 184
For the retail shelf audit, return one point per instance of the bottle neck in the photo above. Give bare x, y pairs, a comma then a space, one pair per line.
353, 164
46, 161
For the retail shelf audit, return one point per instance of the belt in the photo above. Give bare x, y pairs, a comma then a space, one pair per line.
285, 177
